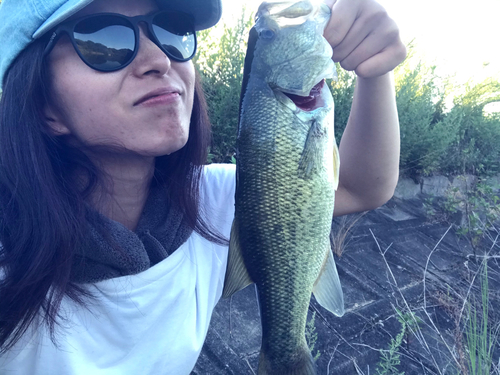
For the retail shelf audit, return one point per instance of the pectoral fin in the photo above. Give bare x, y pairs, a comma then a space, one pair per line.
237, 276
312, 156
327, 290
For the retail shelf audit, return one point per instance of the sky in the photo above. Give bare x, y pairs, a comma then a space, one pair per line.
462, 38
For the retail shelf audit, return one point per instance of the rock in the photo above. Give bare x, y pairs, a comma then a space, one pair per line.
436, 185
407, 189
464, 183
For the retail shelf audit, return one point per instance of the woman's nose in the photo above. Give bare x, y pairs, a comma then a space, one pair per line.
150, 58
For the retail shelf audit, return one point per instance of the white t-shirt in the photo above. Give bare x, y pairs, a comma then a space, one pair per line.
154, 322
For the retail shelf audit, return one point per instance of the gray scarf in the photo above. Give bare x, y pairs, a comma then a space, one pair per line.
111, 250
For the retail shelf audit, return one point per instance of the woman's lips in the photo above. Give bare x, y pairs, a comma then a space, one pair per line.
158, 97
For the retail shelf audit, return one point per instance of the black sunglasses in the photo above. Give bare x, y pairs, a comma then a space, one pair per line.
108, 41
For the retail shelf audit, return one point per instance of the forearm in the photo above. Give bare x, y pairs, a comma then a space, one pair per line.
369, 149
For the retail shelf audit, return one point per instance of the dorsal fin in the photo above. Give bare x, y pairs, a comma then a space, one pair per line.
253, 36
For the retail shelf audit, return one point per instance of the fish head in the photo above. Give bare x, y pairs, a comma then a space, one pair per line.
291, 53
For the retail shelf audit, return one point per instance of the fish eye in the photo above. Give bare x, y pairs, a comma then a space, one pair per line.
267, 34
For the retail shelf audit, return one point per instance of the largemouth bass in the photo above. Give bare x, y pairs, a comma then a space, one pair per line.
287, 173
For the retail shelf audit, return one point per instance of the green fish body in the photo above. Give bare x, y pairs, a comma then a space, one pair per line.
287, 173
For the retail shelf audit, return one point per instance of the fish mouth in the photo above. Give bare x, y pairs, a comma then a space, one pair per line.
310, 102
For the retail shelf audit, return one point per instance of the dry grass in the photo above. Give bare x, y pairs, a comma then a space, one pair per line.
340, 239
461, 348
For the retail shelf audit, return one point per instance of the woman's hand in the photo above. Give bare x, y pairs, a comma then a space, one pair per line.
363, 37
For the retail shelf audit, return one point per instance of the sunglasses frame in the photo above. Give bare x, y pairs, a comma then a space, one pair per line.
68, 28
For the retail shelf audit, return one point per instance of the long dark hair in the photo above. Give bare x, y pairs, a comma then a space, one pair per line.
42, 207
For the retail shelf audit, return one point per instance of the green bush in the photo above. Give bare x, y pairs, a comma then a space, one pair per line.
342, 91
424, 136
220, 61
475, 147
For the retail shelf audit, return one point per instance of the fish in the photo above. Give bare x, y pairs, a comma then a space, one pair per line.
287, 170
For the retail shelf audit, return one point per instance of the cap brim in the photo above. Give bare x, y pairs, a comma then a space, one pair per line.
205, 13
64, 12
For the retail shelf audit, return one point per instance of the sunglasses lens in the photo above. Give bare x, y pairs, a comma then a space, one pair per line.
176, 34
105, 42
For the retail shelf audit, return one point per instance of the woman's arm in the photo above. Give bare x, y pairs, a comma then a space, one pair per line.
364, 39
369, 149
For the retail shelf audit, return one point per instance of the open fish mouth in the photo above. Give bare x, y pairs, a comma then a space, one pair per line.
310, 102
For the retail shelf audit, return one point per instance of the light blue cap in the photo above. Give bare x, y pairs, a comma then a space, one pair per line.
23, 21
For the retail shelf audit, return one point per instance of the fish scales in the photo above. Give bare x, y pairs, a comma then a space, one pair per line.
280, 212
286, 177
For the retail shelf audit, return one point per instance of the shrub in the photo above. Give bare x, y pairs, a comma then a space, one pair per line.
420, 103
342, 90
220, 62
474, 147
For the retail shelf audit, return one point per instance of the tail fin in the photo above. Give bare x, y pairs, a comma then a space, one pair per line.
302, 364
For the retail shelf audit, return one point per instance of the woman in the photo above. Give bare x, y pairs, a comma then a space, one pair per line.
112, 230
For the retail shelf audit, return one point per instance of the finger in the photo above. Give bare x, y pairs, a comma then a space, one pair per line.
377, 41
382, 62
362, 28
344, 13
355, 36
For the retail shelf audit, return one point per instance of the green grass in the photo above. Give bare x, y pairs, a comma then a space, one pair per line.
481, 335
390, 359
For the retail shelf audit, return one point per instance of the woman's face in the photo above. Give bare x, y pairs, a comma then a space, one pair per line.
107, 109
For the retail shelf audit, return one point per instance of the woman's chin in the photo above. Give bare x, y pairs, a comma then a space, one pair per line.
170, 148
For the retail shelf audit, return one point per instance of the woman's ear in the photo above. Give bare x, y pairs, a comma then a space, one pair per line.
54, 121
